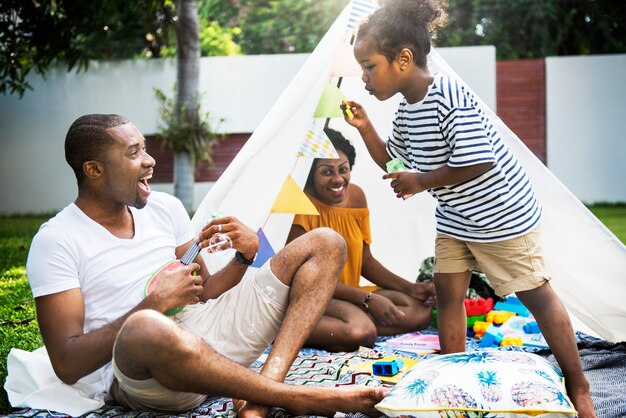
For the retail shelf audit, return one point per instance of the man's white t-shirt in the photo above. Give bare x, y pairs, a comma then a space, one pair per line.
72, 251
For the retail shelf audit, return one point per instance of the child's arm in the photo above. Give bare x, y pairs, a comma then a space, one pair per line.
374, 143
404, 183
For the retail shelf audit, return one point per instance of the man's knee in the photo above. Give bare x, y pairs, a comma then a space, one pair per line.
328, 242
144, 326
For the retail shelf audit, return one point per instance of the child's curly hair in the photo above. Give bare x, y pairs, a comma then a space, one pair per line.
402, 24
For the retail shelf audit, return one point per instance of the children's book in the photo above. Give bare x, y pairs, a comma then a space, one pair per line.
415, 343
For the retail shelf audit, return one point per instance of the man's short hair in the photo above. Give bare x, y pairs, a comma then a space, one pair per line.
87, 138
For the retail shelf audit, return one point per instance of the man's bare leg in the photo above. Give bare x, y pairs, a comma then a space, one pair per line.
310, 265
151, 345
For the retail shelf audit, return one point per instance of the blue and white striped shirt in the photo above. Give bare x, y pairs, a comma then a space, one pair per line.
448, 127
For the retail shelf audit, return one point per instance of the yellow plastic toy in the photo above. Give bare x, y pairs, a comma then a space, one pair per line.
347, 110
511, 341
480, 327
499, 317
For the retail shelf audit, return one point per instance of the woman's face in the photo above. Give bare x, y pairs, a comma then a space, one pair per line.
331, 178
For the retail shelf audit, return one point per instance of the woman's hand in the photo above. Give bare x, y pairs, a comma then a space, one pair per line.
424, 292
384, 311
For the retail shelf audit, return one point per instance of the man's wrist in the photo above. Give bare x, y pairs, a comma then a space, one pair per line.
242, 259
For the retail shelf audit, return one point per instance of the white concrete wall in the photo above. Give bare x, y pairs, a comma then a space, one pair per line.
34, 176
585, 110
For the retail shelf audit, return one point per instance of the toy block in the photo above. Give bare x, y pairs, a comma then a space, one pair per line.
499, 317
492, 337
476, 307
531, 328
480, 327
471, 320
511, 341
512, 304
387, 368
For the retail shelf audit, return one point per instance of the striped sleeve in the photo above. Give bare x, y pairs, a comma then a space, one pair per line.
396, 145
465, 129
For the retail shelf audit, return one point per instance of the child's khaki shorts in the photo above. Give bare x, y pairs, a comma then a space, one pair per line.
512, 265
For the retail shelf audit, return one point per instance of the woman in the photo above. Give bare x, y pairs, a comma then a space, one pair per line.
356, 315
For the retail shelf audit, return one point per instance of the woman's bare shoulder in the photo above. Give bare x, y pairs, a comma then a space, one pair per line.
356, 197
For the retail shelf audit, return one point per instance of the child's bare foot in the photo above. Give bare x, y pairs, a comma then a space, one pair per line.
583, 404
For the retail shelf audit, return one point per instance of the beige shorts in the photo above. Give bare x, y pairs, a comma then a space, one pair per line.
512, 265
239, 325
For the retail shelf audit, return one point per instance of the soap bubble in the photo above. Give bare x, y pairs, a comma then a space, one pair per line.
270, 293
219, 242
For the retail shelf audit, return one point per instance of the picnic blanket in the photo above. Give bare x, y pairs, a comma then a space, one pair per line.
604, 364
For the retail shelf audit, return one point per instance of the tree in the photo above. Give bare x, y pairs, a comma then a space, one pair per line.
270, 26
37, 34
537, 28
187, 76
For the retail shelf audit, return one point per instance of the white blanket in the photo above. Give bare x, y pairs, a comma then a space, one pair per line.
31, 383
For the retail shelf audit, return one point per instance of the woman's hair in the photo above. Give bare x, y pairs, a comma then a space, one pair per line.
87, 138
402, 24
341, 144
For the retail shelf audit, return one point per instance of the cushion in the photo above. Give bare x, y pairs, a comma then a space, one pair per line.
486, 383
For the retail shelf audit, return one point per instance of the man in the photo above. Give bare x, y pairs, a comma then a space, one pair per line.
89, 265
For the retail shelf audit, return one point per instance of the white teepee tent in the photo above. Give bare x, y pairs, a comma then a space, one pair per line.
587, 262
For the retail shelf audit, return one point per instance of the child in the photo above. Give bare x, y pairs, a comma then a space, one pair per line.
487, 214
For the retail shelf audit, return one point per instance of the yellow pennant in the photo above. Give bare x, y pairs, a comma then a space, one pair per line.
292, 199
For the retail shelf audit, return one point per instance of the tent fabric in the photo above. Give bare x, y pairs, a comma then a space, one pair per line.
587, 262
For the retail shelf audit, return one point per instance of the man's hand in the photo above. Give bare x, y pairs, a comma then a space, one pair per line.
176, 287
243, 238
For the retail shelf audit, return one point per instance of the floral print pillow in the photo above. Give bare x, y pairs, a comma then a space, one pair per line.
480, 384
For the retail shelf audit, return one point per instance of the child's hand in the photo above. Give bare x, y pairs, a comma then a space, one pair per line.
354, 113
405, 183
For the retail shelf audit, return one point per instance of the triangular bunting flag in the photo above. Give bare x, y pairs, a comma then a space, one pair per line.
316, 144
293, 200
360, 9
328, 106
265, 250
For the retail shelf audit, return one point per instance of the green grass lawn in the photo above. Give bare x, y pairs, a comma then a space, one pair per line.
18, 324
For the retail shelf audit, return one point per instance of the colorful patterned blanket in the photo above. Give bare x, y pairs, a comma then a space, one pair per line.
604, 364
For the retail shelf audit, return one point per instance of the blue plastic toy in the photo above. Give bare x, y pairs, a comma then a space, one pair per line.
531, 328
492, 337
512, 304
387, 368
